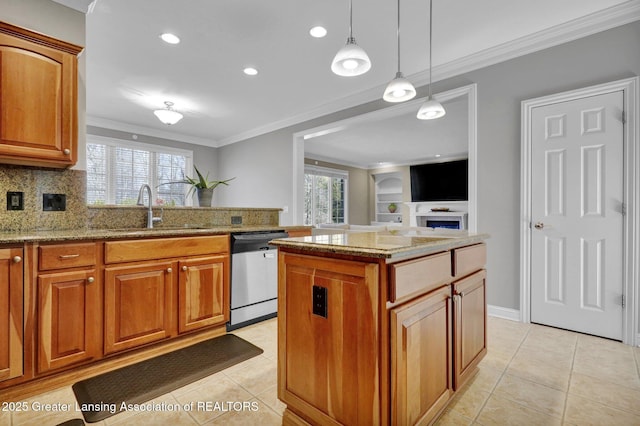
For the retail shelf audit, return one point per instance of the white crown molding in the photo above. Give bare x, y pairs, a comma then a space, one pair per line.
596, 22
569, 31
79, 5
147, 131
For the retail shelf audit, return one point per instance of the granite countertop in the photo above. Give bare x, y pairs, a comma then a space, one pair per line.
120, 233
391, 245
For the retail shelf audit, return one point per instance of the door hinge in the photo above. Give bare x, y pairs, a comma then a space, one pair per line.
623, 304
624, 209
624, 117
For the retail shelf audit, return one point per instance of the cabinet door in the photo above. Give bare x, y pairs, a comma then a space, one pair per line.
469, 325
421, 358
138, 303
203, 294
38, 103
11, 337
69, 314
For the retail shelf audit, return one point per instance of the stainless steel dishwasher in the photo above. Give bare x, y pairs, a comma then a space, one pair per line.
254, 277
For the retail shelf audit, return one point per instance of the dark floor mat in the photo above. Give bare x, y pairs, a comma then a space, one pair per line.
103, 396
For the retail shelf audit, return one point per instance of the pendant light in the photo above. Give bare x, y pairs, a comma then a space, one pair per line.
168, 115
399, 89
351, 60
431, 108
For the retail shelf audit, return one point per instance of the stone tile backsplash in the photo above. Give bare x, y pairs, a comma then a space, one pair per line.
33, 182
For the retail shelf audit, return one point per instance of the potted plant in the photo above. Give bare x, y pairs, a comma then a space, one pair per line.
392, 207
202, 186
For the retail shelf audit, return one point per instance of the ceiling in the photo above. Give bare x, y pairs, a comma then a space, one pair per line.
398, 138
131, 72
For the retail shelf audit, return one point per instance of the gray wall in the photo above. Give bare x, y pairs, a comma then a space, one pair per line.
606, 56
60, 22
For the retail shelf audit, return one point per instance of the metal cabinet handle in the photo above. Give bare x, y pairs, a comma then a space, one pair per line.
90, 280
66, 151
68, 256
17, 259
184, 268
539, 225
169, 270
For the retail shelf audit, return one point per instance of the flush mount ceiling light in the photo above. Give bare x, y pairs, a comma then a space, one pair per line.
351, 60
250, 71
170, 38
168, 115
318, 32
399, 89
431, 108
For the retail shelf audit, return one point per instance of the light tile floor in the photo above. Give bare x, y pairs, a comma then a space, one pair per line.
532, 375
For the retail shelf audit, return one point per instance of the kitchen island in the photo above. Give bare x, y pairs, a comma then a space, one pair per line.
378, 327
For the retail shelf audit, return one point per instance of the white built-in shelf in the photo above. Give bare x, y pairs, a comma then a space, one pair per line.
388, 190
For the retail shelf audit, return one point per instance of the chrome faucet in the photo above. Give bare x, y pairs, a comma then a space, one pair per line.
150, 219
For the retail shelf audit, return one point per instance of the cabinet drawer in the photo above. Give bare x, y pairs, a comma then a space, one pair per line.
60, 256
469, 259
419, 276
151, 249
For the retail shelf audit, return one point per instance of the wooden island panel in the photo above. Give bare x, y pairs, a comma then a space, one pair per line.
325, 358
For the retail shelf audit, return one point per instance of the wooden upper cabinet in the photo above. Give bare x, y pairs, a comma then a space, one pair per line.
11, 327
38, 99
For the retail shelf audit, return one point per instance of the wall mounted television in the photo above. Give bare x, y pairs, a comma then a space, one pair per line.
446, 181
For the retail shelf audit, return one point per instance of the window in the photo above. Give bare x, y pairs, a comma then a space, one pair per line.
117, 169
325, 195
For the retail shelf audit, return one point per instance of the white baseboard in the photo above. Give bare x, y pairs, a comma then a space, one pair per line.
505, 313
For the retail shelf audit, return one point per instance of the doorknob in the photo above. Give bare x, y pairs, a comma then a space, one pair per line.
539, 225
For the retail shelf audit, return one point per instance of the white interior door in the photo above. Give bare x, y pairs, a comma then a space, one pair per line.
577, 213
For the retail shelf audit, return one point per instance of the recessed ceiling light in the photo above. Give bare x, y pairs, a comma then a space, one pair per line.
318, 32
437, 155
170, 38
250, 71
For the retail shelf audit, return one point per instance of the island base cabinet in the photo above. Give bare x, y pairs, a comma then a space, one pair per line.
328, 342
11, 328
138, 304
202, 296
69, 314
421, 359
470, 325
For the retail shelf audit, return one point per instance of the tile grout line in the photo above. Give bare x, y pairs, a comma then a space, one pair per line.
475, 419
566, 394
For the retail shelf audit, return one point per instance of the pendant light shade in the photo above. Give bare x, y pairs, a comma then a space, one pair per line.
399, 89
168, 115
351, 60
431, 108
